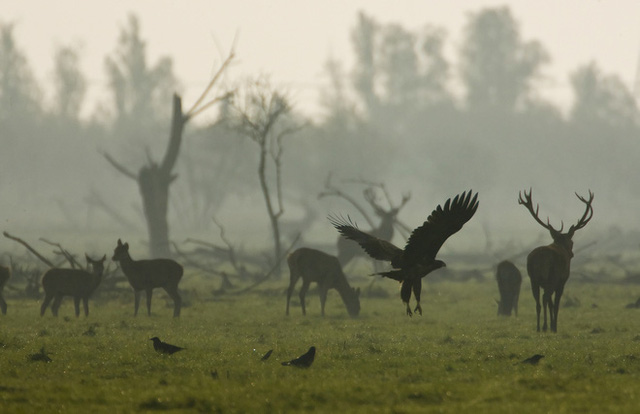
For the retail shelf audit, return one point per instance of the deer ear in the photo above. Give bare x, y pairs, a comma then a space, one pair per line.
86, 256
126, 246
104, 257
119, 242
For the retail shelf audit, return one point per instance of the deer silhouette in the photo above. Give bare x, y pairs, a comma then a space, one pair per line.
5, 274
509, 281
312, 265
149, 274
549, 266
80, 284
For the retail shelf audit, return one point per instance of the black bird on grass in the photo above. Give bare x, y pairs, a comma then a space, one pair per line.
40, 356
533, 360
418, 258
267, 355
303, 361
163, 347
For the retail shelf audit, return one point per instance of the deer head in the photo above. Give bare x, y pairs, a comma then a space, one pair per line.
561, 239
387, 217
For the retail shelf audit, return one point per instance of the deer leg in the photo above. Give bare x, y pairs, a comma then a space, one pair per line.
149, 293
417, 290
136, 298
546, 304
556, 308
85, 303
515, 303
293, 279
56, 304
177, 300
76, 305
45, 303
535, 289
3, 305
323, 298
302, 294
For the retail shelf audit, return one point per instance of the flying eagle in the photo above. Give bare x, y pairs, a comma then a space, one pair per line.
418, 258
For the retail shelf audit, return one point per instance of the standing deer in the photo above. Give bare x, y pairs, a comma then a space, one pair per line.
149, 274
5, 274
509, 281
58, 283
549, 266
315, 266
348, 249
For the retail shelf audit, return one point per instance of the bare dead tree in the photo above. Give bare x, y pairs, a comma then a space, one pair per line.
261, 115
154, 179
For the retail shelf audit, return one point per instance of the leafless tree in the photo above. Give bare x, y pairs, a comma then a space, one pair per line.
262, 113
154, 179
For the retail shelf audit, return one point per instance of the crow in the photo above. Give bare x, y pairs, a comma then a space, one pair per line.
163, 347
418, 258
303, 361
533, 360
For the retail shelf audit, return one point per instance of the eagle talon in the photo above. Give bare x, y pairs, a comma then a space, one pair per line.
418, 309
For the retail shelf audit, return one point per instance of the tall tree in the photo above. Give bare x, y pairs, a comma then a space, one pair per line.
498, 68
135, 91
70, 84
262, 114
20, 94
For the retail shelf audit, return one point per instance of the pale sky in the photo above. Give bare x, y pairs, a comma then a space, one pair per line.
290, 40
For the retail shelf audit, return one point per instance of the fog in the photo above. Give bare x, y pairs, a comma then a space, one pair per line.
430, 107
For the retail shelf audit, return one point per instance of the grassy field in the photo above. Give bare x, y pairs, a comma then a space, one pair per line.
458, 357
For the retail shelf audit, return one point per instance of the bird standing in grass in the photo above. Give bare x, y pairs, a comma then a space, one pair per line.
163, 347
418, 258
533, 360
303, 361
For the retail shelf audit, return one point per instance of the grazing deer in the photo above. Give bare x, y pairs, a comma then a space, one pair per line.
58, 283
149, 274
315, 266
5, 274
509, 281
348, 249
549, 266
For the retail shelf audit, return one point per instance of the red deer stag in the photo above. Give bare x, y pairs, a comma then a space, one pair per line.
80, 284
509, 281
315, 266
418, 258
347, 249
5, 274
549, 266
149, 274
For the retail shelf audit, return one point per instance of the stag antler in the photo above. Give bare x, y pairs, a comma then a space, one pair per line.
528, 203
588, 213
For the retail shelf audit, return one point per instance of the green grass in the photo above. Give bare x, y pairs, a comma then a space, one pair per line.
458, 357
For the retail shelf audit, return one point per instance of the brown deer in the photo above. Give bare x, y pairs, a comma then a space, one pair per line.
5, 274
549, 266
315, 266
509, 281
149, 274
348, 249
58, 283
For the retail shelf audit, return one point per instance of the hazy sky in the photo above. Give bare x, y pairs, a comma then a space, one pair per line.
291, 39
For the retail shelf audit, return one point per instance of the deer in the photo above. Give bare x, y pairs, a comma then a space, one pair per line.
149, 274
78, 283
5, 274
348, 249
315, 266
509, 281
549, 266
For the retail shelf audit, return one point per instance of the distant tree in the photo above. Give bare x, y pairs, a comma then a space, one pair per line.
69, 83
602, 99
140, 93
20, 95
498, 68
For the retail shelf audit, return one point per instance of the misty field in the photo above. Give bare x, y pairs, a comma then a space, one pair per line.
458, 357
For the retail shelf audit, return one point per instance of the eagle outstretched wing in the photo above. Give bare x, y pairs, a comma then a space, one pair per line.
426, 240
376, 248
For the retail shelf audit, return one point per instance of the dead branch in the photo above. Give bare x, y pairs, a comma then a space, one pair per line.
31, 249
63, 252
